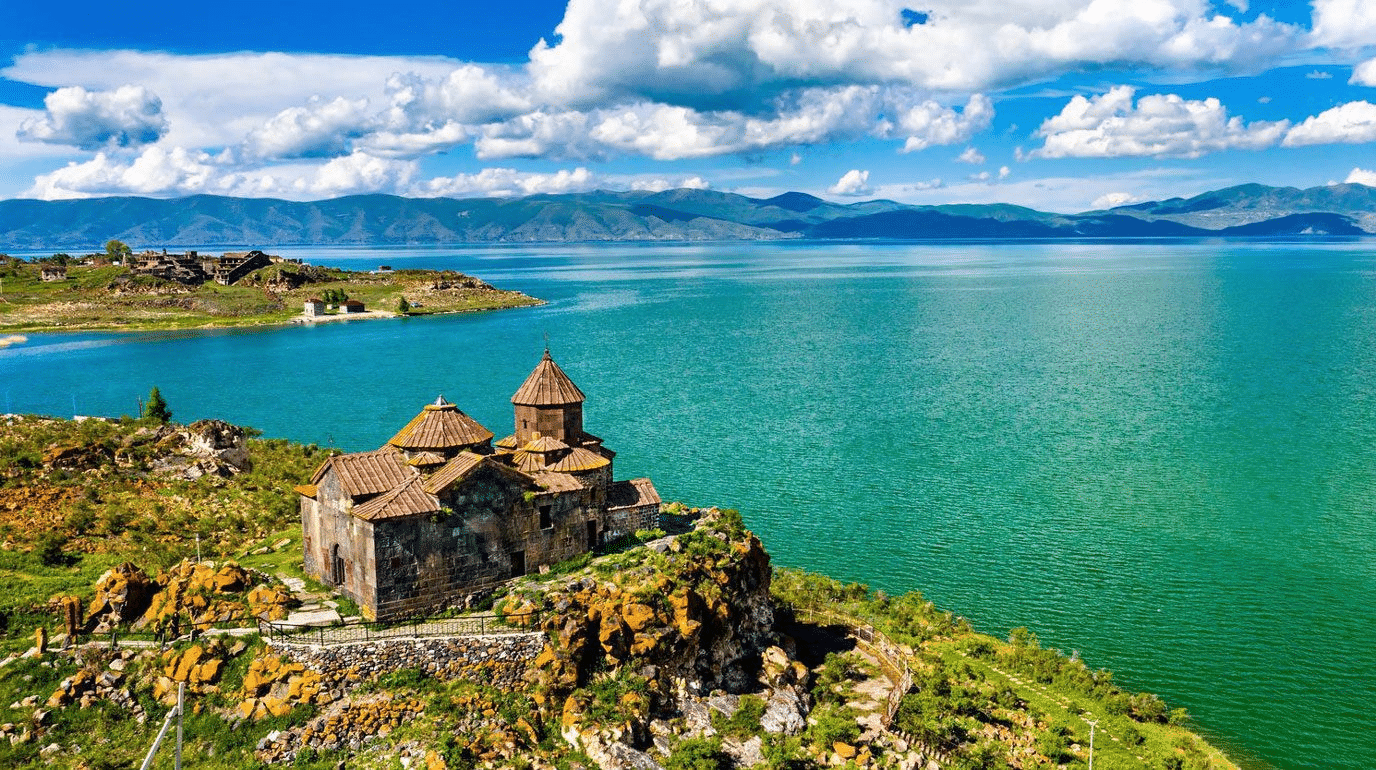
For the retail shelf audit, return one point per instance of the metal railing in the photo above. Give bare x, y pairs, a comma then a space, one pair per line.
890, 655
352, 632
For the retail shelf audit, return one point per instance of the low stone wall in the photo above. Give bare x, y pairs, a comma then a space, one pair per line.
496, 660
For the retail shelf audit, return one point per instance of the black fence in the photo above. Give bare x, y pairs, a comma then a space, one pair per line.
418, 628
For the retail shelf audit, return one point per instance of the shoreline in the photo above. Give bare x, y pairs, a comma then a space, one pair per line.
9, 333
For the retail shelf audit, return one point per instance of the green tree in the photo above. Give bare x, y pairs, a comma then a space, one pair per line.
403, 306
156, 408
117, 249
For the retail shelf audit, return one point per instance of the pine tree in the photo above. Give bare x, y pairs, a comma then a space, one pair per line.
156, 408
403, 307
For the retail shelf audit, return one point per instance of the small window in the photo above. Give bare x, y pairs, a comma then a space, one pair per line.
546, 520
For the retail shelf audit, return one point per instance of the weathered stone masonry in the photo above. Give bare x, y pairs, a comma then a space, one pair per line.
441, 514
499, 660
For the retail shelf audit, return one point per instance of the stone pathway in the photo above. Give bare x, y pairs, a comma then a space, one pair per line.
872, 696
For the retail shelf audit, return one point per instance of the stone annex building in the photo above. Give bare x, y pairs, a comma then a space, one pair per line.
439, 514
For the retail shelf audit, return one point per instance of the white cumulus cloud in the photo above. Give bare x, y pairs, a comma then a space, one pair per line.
128, 116
1113, 200
971, 155
706, 55
852, 183
1344, 23
1112, 125
1361, 176
929, 123
320, 129
509, 182
659, 184
1364, 74
1353, 123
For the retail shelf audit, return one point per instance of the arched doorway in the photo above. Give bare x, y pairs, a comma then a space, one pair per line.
336, 567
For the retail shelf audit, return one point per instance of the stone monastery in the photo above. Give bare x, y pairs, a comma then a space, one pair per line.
439, 514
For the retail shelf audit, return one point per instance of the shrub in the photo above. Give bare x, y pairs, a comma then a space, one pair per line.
831, 724
52, 550
745, 722
698, 754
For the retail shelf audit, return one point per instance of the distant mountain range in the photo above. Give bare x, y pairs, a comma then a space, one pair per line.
1250, 210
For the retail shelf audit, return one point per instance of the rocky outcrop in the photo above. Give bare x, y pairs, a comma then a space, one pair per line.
122, 596
676, 621
696, 608
274, 686
192, 595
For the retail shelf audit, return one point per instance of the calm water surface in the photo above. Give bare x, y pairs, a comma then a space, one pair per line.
1163, 457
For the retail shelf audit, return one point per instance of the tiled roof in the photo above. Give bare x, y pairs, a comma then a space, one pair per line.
557, 482
548, 386
409, 499
423, 459
507, 443
440, 425
544, 444
452, 471
368, 473
632, 494
579, 459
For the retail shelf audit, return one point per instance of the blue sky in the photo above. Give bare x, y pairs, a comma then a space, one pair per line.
1061, 105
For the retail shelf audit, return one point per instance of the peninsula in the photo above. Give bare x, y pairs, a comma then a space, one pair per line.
155, 290
146, 559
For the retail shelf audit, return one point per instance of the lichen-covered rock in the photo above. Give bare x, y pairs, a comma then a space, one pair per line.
123, 594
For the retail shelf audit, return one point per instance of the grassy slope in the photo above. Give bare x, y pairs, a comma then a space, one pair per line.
964, 679
1001, 698
109, 510
85, 301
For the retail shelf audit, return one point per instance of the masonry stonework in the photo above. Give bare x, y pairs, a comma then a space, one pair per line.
440, 515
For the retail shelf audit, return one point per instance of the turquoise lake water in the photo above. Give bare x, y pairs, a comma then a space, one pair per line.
1160, 456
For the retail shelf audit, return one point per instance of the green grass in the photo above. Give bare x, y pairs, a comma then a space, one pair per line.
964, 679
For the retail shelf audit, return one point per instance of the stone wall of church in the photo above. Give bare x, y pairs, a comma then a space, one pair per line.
328, 529
493, 531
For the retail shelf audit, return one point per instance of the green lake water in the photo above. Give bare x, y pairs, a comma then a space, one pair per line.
1160, 456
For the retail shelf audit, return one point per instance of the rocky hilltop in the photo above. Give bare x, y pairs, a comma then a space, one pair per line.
676, 648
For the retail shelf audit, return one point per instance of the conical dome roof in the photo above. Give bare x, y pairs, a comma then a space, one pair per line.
548, 386
440, 426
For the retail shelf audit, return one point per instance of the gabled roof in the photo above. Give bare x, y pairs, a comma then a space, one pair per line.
557, 482
440, 425
367, 473
548, 386
425, 459
452, 471
463, 466
632, 494
409, 499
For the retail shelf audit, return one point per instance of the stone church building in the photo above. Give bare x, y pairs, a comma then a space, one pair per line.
441, 513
